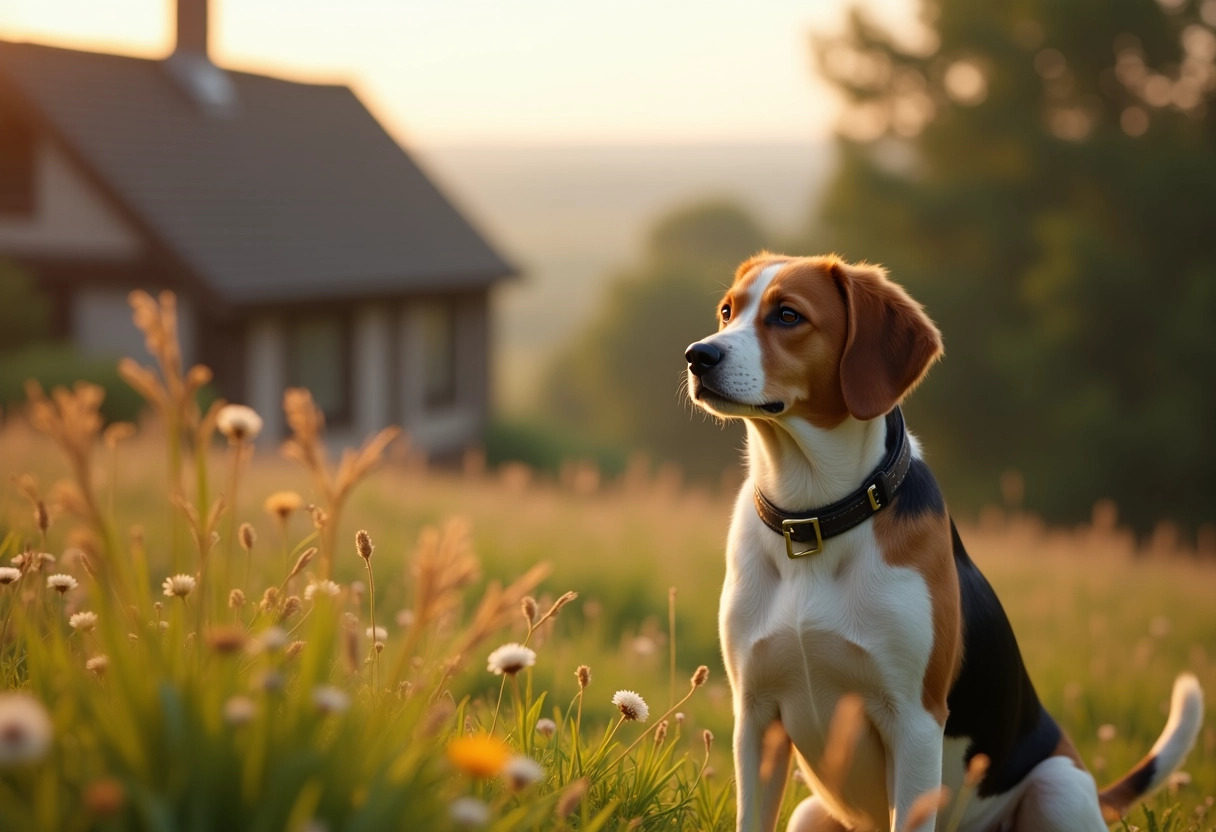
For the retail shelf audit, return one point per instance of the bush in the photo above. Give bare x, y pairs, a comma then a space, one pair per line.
60, 364
545, 447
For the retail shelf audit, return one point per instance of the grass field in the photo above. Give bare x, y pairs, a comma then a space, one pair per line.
283, 714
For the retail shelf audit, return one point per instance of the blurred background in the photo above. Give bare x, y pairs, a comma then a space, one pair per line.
500, 224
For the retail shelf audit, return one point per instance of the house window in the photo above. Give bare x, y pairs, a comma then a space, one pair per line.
318, 358
438, 323
16, 167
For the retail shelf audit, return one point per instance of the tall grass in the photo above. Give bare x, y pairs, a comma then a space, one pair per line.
299, 677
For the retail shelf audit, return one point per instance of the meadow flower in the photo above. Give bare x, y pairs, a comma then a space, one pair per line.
700, 677
405, 618
281, 504
363, 544
469, 811
236, 599
9, 574
105, 797
510, 659
238, 423
1106, 732
61, 583
528, 607
291, 606
25, 729
83, 620
294, 648
322, 588
479, 755
32, 561
583, 674
272, 639
226, 639
330, 700
631, 705
380, 633
178, 586
248, 536
546, 727
522, 771
99, 664
239, 710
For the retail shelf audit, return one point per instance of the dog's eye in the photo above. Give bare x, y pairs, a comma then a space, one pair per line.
788, 316
725, 311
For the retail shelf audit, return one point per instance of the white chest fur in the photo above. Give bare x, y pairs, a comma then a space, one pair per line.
799, 634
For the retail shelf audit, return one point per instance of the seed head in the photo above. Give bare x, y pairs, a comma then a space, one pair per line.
270, 599
179, 586
631, 705
363, 544
291, 606
281, 504
226, 639
330, 700
660, 733
238, 422
583, 674
236, 599
25, 729
571, 797
566, 598
83, 621
510, 659
41, 518
98, 664
303, 560
546, 727
700, 676
708, 737
528, 607
469, 812
248, 535
321, 589
294, 648
522, 771
61, 583
239, 710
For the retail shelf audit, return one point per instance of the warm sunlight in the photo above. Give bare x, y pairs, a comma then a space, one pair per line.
470, 71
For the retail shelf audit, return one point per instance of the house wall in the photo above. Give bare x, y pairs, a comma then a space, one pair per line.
102, 325
71, 218
387, 368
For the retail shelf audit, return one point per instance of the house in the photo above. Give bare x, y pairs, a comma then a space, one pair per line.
305, 246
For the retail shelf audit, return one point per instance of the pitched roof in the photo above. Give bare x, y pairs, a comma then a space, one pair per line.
298, 194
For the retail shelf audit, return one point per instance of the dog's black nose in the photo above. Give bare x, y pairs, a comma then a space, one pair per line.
701, 357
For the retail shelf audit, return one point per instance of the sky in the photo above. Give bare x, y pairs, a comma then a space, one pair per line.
492, 72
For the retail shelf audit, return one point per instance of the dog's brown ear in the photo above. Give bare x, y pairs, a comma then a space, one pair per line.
890, 345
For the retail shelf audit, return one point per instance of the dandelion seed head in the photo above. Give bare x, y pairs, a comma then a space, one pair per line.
469, 812
322, 589
25, 729
330, 700
238, 423
99, 664
379, 634
83, 621
522, 771
61, 583
546, 727
631, 705
510, 659
179, 586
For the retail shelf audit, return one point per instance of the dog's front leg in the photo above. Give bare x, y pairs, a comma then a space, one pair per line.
762, 765
914, 768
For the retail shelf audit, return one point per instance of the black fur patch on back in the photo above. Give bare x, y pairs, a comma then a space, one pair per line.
993, 702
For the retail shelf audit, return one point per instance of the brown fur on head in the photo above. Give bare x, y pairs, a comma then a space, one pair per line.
862, 343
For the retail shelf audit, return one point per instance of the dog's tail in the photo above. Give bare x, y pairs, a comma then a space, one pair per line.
1169, 752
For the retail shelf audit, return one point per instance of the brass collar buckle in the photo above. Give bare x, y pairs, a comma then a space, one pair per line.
786, 529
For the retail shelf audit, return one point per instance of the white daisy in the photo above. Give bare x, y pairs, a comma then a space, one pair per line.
380, 635
469, 812
238, 422
25, 729
9, 574
179, 586
61, 583
510, 659
330, 700
321, 588
546, 727
83, 620
631, 705
98, 664
522, 771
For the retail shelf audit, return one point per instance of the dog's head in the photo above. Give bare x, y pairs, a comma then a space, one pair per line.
811, 337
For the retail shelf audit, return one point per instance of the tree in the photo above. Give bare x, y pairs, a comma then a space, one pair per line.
621, 379
1038, 174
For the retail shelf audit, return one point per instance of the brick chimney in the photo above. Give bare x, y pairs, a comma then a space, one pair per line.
192, 27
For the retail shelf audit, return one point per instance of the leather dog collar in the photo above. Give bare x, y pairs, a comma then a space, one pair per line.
817, 525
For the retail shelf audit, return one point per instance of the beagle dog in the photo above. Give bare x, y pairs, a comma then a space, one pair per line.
847, 580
